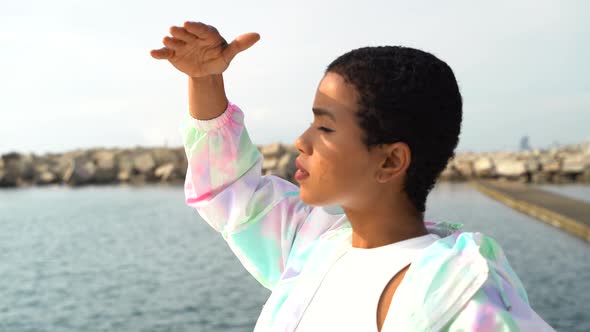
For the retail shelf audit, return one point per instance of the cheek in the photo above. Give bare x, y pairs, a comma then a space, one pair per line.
339, 163
325, 170
336, 169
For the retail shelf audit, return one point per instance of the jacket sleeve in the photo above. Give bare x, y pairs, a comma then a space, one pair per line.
261, 217
498, 306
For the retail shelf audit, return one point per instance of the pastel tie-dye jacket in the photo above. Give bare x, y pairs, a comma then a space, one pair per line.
462, 282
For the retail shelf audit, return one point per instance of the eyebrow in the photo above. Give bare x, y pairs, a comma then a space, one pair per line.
323, 112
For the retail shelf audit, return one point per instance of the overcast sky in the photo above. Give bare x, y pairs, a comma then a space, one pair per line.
78, 74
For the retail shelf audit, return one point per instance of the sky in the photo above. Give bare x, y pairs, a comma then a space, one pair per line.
78, 74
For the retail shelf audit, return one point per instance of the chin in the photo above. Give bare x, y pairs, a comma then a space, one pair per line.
305, 197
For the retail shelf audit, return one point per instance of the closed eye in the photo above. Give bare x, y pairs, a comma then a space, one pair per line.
324, 129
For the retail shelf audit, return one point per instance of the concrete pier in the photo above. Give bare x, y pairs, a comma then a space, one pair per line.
571, 215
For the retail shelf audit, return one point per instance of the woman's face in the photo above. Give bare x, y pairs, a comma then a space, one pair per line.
335, 167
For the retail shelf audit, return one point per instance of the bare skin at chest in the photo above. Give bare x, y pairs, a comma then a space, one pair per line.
387, 295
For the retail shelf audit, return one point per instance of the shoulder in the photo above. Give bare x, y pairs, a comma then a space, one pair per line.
497, 306
480, 253
500, 302
456, 270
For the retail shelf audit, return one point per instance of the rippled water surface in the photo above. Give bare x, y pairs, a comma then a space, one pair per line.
138, 259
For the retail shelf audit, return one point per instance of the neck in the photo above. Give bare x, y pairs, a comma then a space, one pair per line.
383, 223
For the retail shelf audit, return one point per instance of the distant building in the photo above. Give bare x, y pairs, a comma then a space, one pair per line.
524, 143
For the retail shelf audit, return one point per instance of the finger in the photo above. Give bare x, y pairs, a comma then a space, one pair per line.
162, 53
241, 43
173, 43
182, 34
198, 29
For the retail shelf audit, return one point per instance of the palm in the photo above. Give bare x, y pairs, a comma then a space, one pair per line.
199, 50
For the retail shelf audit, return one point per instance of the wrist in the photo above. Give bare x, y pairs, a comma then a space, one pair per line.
207, 99
206, 79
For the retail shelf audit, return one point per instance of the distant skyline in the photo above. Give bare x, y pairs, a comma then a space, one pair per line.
79, 75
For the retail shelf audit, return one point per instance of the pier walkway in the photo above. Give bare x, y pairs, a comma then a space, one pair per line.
569, 214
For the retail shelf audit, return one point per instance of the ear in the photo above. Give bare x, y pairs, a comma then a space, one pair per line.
396, 158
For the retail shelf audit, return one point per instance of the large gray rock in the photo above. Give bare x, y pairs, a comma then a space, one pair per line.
11, 169
286, 166
450, 174
124, 165
269, 163
550, 165
43, 175
82, 172
291, 149
279, 160
60, 164
27, 171
532, 165
106, 168
47, 178
17, 169
273, 150
510, 168
574, 164
464, 167
483, 167
144, 163
182, 163
164, 156
165, 172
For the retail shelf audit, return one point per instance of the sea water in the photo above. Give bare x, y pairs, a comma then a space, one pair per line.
120, 258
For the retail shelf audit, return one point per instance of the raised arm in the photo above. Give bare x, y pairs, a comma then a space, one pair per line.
199, 51
261, 217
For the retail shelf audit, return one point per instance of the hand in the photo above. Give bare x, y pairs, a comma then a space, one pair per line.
198, 50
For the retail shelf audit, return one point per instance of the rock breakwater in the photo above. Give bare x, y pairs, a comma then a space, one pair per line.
567, 164
111, 166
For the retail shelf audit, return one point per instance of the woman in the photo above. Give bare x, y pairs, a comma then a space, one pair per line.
386, 122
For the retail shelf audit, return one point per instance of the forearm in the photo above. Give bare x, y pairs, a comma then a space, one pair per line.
206, 97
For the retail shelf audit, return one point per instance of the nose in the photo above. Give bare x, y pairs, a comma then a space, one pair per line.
302, 144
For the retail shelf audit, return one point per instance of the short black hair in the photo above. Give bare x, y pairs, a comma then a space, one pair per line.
406, 95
